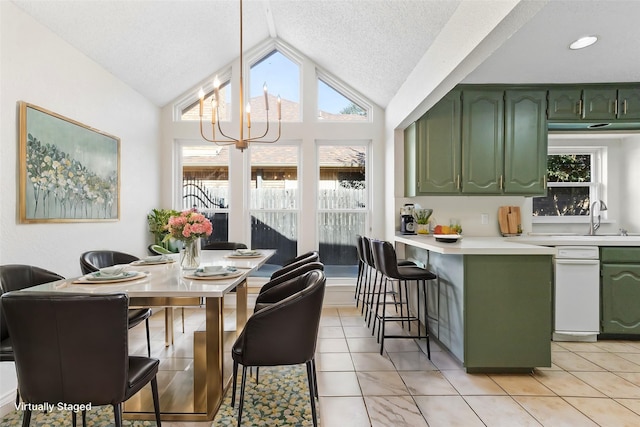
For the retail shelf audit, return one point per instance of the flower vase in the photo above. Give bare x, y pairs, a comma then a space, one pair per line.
190, 255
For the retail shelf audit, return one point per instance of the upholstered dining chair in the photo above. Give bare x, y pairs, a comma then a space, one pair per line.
284, 333
217, 246
284, 285
14, 277
95, 260
311, 256
62, 360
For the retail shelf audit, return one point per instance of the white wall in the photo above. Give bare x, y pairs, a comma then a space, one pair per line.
39, 68
630, 177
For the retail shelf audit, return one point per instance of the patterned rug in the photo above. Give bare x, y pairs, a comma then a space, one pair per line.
280, 399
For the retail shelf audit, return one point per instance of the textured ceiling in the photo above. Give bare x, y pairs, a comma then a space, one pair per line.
164, 48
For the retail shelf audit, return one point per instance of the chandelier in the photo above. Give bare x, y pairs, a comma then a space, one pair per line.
240, 142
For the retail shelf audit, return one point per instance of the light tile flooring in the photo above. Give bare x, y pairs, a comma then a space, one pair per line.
589, 384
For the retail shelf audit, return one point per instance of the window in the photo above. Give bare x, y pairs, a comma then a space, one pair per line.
574, 177
205, 185
342, 203
282, 77
274, 200
192, 110
334, 106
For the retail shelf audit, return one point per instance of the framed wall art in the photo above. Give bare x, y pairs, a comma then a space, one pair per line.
69, 172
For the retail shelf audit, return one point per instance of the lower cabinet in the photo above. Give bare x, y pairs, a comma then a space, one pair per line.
507, 315
620, 291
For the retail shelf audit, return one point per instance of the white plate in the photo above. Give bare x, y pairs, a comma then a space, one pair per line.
229, 275
96, 278
447, 238
250, 255
151, 262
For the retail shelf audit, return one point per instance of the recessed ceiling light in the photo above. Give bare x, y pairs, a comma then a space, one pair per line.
583, 42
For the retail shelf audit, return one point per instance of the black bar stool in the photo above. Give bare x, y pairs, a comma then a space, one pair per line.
386, 261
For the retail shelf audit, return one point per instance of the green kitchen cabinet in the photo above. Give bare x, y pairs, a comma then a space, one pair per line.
629, 103
620, 290
507, 311
410, 160
564, 104
525, 149
599, 104
438, 147
482, 141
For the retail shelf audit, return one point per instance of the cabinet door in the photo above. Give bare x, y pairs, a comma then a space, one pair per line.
629, 103
620, 296
599, 104
482, 141
564, 104
410, 160
438, 147
525, 151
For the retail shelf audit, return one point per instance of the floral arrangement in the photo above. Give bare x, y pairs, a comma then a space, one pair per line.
189, 225
158, 219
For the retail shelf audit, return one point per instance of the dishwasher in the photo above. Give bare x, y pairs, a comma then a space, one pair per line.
577, 294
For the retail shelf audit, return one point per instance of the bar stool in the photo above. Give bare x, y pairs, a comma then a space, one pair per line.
361, 269
386, 261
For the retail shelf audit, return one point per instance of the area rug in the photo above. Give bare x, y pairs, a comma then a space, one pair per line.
281, 398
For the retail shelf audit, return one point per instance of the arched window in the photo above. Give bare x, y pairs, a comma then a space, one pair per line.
282, 77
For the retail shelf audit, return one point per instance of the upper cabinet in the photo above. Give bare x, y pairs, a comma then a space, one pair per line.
487, 141
438, 147
482, 141
525, 150
492, 139
629, 103
594, 103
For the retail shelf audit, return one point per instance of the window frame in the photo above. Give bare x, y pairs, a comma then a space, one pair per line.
367, 174
192, 98
343, 90
596, 186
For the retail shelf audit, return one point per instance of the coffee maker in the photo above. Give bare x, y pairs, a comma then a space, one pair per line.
407, 219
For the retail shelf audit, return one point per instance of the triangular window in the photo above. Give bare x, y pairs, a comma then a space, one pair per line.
334, 106
192, 111
282, 77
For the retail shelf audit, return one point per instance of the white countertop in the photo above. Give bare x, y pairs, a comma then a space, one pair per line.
573, 240
476, 246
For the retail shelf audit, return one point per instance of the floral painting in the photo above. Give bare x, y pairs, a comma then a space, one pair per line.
69, 172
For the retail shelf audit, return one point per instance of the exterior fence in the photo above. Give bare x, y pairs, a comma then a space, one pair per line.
272, 226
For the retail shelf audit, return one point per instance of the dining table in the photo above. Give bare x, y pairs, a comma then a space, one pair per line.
160, 282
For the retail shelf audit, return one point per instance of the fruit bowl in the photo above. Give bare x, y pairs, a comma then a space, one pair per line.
447, 238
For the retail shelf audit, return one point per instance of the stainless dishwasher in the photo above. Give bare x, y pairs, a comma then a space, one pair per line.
577, 293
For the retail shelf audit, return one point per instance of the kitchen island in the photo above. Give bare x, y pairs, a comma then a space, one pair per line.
491, 305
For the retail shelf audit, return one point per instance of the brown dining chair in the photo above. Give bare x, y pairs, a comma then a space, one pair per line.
284, 333
93, 261
61, 359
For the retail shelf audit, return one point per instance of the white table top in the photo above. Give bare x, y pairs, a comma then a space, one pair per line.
167, 280
475, 246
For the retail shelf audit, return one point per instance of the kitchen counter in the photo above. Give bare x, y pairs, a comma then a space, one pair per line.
491, 303
575, 240
477, 245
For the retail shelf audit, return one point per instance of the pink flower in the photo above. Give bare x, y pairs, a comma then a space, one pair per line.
189, 225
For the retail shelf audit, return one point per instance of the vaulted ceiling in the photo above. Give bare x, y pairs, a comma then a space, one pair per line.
164, 48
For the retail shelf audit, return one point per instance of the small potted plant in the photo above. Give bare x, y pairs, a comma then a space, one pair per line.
158, 220
422, 218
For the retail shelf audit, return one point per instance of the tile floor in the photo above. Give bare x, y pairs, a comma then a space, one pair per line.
589, 384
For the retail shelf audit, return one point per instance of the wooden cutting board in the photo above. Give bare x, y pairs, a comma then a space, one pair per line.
509, 219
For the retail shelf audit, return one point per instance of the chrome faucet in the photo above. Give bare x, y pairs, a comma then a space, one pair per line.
593, 226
